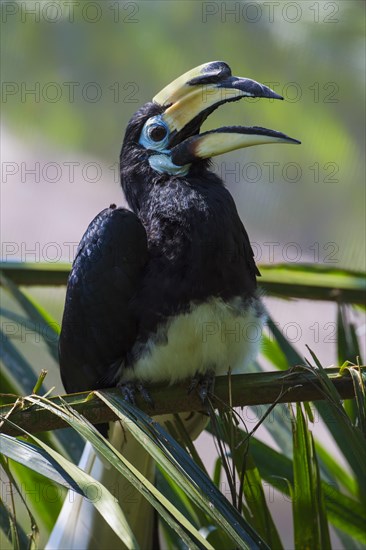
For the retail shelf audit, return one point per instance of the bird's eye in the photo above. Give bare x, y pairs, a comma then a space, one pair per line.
157, 133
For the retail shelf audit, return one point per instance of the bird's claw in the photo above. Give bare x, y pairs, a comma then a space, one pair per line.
204, 384
145, 394
129, 390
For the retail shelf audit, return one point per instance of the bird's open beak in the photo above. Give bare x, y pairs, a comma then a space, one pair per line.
191, 98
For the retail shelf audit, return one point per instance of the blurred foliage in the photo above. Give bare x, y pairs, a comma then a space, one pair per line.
313, 54
46, 48
93, 64
325, 489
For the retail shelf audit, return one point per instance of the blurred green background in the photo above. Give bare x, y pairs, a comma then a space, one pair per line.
92, 64
73, 73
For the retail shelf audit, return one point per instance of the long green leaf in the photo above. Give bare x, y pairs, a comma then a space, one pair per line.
255, 499
41, 494
226, 426
309, 281
276, 469
307, 498
64, 471
21, 371
37, 459
217, 472
347, 347
320, 500
314, 282
292, 356
173, 517
341, 426
37, 314
184, 471
41, 329
347, 350
337, 473
177, 495
17, 536
282, 354
9, 388
272, 351
277, 424
19, 378
360, 398
331, 411
7, 529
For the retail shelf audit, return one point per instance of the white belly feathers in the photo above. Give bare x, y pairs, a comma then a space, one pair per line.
215, 335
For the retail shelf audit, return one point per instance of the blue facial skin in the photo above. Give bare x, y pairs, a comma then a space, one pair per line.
155, 137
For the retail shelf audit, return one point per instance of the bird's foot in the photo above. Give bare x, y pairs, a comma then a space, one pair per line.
129, 390
204, 384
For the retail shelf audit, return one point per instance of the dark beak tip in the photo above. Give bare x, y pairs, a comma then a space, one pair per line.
270, 94
267, 93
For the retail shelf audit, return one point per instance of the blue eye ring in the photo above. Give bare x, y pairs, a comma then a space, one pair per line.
155, 134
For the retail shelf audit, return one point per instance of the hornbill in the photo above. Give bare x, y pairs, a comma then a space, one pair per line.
155, 290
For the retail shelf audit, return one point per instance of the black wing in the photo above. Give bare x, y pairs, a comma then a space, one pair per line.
98, 326
249, 254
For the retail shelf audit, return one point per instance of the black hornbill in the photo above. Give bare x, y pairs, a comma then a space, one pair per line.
167, 289
155, 291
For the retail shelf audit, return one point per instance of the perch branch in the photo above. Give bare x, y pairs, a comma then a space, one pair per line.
247, 389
